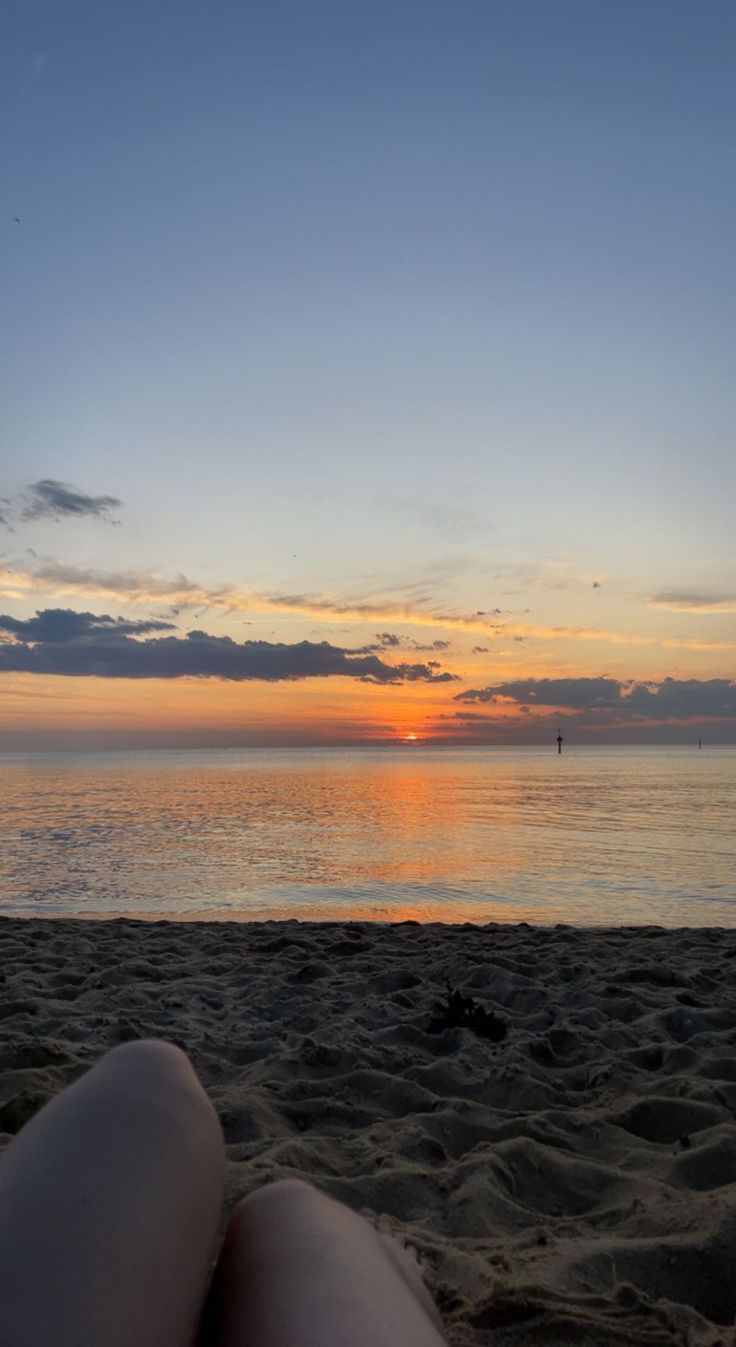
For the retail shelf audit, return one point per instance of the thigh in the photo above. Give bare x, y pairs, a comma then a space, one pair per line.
299, 1270
109, 1205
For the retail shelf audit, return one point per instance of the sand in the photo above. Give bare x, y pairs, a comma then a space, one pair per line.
574, 1183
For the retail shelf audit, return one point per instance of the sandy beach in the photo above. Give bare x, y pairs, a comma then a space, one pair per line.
573, 1182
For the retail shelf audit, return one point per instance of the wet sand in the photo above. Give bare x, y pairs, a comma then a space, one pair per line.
575, 1182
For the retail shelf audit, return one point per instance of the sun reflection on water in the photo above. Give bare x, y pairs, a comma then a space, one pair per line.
454, 835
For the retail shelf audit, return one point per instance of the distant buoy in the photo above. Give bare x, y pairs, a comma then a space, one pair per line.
560, 742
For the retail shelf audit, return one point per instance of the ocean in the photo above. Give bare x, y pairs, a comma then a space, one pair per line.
597, 836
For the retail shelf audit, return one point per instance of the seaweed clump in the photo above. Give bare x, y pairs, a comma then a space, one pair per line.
457, 1011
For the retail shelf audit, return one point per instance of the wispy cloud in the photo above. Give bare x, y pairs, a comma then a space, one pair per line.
181, 593
556, 573
390, 640
453, 523
695, 600
126, 586
68, 643
49, 499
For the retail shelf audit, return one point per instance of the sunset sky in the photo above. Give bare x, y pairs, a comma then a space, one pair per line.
367, 371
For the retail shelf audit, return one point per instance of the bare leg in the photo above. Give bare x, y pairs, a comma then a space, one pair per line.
109, 1205
299, 1270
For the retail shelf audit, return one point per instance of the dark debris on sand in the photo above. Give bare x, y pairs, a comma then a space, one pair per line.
458, 1011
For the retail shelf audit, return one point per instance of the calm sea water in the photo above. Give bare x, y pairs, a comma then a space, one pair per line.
595, 836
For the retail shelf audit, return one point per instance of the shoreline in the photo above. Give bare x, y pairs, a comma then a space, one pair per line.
575, 1180
369, 923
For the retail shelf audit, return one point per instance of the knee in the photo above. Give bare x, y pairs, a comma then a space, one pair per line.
148, 1057
288, 1192
286, 1198
155, 1073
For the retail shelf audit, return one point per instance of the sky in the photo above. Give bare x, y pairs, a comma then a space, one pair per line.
366, 372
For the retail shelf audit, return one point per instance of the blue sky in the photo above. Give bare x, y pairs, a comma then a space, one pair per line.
394, 303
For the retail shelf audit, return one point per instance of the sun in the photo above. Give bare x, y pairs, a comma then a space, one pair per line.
410, 738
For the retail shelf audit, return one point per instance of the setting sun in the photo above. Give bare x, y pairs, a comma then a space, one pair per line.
365, 386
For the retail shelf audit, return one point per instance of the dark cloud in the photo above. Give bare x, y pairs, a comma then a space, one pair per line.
388, 640
49, 499
580, 693
479, 650
676, 698
612, 700
471, 716
60, 641
61, 624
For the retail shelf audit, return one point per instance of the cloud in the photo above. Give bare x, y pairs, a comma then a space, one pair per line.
557, 573
125, 586
60, 641
390, 640
695, 601
49, 499
453, 523
61, 624
386, 607
181, 593
573, 692
611, 699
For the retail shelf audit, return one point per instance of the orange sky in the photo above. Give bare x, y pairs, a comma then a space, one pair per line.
526, 638
422, 377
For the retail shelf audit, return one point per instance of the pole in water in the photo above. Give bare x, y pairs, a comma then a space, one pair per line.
560, 742
700, 742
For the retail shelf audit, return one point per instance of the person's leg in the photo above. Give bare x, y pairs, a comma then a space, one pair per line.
109, 1206
299, 1270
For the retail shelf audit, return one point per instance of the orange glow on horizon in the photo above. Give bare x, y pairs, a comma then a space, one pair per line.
39, 710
